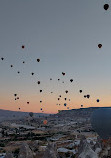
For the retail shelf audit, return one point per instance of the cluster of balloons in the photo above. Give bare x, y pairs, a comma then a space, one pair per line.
106, 7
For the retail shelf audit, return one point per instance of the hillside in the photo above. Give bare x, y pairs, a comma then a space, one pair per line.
11, 115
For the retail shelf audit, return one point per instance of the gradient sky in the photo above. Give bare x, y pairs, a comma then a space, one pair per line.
65, 35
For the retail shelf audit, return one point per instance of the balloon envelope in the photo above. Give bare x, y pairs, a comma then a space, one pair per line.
45, 122
101, 122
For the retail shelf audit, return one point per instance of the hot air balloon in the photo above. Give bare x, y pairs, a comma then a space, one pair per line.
23, 62
85, 96
11, 65
71, 80
38, 60
31, 114
100, 45
63, 73
80, 91
23, 46
50, 79
45, 122
101, 122
65, 98
58, 98
2, 58
41, 109
28, 102
65, 104
81, 105
32, 73
97, 100
106, 6
88, 96
40, 91
38, 82
40, 101
18, 72
58, 79
66, 91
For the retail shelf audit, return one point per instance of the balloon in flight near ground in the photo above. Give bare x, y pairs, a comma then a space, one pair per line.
31, 114
45, 122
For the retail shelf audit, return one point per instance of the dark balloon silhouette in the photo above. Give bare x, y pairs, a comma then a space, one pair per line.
31, 114
58, 79
100, 45
23, 46
81, 105
65, 104
58, 98
40, 101
97, 100
38, 60
18, 72
41, 109
23, 62
19, 108
28, 102
15, 95
38, 82
11, 65
80, 91
40, 91
63, 73
65, 98
88, 96
101, 122
106, 6
50, 79
85, 96
66, 91
71, 80
2, 58
32, 73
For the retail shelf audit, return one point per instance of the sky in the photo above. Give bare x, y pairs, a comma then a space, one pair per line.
65, 35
